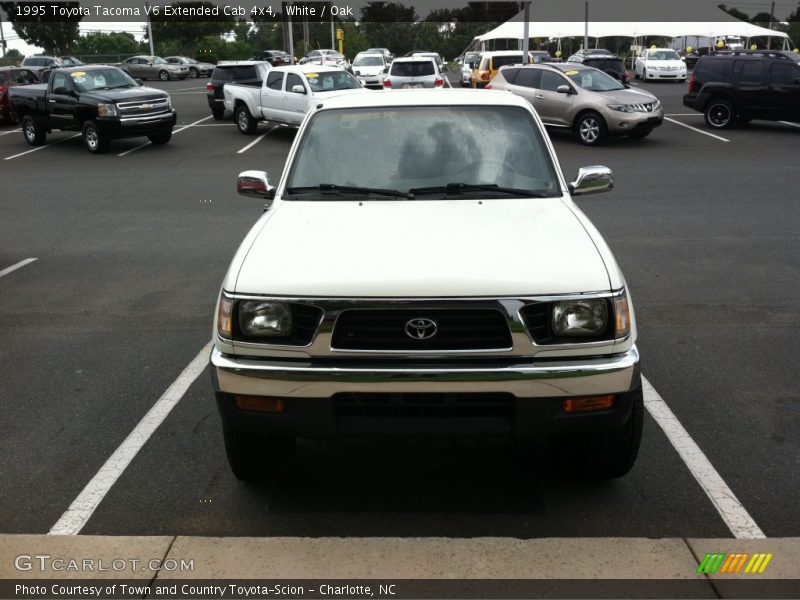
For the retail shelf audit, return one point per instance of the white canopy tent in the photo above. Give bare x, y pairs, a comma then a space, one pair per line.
599, 29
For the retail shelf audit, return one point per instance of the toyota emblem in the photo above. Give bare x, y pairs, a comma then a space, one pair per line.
421, 329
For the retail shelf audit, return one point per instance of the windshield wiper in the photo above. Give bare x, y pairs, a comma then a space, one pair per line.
343, 190
456, 189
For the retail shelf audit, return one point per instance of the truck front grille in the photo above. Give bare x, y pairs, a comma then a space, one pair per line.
143, 108
456, 329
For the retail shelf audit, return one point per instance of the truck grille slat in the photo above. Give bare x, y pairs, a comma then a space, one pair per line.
457, 329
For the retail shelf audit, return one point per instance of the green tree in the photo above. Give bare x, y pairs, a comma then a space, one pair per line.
182, 34
389, 25
54, 37
13, 57
735, 12
794, 27
106, 43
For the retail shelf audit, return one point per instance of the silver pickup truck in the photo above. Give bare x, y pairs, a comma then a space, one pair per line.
287, 94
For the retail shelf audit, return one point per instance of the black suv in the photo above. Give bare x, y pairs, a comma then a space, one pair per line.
604, 60
743, 86
277, 58
244, 72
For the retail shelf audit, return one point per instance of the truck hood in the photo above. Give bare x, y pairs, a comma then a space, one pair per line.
126, 94
420, 249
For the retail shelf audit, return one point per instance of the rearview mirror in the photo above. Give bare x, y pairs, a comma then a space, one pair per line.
592, 180
564, 89
255, 184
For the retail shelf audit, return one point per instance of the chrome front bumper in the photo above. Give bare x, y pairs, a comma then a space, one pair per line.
324, 378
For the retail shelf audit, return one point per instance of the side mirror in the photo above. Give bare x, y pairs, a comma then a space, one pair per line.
298, 89
564, 89
255, 184
592, 180
386, 69
139, 81
61, 90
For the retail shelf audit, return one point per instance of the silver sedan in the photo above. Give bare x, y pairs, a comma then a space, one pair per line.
153, 67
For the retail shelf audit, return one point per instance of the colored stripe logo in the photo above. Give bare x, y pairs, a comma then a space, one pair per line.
739, 562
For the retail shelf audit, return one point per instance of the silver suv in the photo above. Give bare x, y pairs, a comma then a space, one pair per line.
583, 99
413, 72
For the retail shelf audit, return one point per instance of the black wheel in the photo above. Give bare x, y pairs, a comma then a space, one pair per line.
640, 134
160, 139
193, 74
602, 455
94, 140
218, 113
719, 114
33, 131
163, 75
591, 129
244, 121
254, 457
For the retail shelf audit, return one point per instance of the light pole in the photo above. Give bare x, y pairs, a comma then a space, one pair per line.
149, 28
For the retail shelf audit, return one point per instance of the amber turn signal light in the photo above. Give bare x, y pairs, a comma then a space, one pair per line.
260, 403
588, 403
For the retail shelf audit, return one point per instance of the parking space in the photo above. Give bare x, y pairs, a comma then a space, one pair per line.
130, 250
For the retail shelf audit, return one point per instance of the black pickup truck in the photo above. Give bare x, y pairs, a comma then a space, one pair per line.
101, 102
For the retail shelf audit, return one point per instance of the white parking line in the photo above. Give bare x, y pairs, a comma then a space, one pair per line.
258, 139
12, 131
174, 132
186, 93
43, 147
185, 89
789, 123
684, 115
716, 137
78, 513
722, 497
19, 265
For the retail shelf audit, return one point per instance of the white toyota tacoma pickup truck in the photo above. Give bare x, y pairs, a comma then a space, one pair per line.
286, 94
421, 269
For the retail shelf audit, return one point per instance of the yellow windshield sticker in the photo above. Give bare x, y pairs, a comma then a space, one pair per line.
571, 73
78, 74
312, 75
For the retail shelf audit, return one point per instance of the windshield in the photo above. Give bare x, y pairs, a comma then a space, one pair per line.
101, 79
368, 61
331, 81
663, 55
159, 61
407, 148
594, 80
413, 69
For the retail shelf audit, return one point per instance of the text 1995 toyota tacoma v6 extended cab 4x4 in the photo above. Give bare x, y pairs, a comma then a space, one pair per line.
448, 285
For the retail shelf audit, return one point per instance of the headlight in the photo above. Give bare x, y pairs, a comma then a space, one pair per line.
106, 110
580, 317
622, 326
169, 102
224, 328
265, 319
626, 108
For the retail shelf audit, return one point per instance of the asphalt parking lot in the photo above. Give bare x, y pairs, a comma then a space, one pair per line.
130, 249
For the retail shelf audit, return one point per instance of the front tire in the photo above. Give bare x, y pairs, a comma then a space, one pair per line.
244, 121
602, 455
163, 76
719, 114
33, 132
254, 457
193, 74
160, 139
95, 141
591, 129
